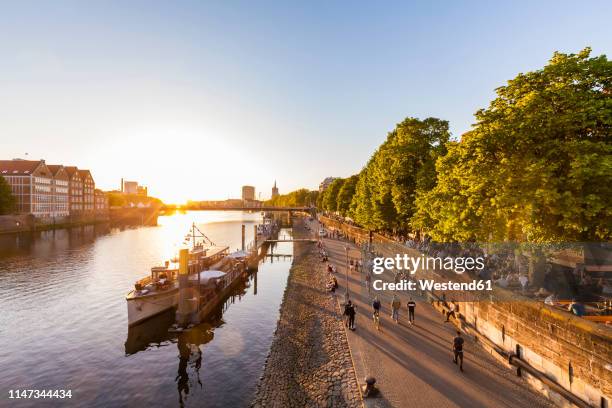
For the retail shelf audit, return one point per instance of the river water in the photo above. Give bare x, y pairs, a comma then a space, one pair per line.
63, 319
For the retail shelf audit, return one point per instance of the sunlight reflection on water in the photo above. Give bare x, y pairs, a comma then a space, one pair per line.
64, 318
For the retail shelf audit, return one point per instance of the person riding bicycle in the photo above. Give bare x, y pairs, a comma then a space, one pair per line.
376, 306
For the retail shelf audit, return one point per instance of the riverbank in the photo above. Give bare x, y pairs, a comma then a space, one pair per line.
11, 224
309, 363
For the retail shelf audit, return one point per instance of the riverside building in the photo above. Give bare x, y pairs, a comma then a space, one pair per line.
59, 189
50, 191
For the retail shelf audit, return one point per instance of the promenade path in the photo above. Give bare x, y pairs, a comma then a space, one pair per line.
413, 363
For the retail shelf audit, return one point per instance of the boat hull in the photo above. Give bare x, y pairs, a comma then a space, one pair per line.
141, 308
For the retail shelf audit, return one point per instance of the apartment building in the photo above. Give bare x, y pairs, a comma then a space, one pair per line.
51, 190
31, 183
88, 190
59, 189
75, 190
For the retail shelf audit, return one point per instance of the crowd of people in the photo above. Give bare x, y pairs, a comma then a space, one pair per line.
396, 305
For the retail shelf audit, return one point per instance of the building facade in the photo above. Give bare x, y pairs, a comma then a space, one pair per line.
248, 193
100, 201
75, 190
31, 183
50, 190
60, 188
88, 190
130, 187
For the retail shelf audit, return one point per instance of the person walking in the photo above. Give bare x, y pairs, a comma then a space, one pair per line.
411, 307
458, 350
350, 311
395, 307
451, 311
368, 282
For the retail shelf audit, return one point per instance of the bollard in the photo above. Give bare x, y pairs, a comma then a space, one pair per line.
368, 389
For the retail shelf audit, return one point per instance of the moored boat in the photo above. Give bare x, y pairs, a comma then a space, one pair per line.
159, 291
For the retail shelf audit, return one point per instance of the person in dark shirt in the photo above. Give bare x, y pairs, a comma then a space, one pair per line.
458, 350
349, 311
577, 308
411, 307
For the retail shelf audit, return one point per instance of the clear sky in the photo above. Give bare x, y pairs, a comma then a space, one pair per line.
195, 99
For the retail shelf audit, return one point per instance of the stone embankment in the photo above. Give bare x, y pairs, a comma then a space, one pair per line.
309, 362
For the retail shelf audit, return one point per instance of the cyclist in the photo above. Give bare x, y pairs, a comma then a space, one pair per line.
376, 311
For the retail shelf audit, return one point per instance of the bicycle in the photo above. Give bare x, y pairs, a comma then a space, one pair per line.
376, 319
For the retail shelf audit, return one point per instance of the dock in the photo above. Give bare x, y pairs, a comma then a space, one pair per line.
198, 297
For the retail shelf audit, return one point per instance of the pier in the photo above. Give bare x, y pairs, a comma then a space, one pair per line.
197, 299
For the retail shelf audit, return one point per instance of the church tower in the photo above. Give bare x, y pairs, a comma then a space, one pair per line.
274, 190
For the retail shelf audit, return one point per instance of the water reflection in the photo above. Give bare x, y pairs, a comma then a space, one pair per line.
153, 333
62, 293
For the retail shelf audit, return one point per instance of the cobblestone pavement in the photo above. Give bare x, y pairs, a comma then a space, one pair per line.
413, 364
309, 362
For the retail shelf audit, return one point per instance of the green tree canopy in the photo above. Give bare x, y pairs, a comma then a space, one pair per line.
345, 195
401, 168
299, 198
7, 200
537, 166
330, 195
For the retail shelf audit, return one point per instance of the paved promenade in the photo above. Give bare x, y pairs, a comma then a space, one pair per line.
413, 364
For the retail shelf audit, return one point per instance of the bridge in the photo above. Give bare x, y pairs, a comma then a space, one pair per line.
250, 208
241, 208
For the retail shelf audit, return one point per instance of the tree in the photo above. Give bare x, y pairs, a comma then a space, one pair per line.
7, 200
400, 169
298, 198
537, 166
345, 195
330, 199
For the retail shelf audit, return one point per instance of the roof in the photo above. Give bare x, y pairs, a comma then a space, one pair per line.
54, 168
18, 166
215, 250
71, 170
84, 173
205, 276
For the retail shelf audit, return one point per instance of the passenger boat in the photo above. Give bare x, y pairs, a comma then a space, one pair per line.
159, 291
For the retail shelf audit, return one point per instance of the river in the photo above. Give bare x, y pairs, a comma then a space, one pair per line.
63, 318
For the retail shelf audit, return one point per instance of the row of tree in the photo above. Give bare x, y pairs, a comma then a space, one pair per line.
535, 167
298, 198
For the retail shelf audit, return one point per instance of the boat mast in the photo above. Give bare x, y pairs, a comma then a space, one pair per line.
193, 235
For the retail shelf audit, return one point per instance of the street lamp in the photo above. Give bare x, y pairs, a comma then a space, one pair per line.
346, 294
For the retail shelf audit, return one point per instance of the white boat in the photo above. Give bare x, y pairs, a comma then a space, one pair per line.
153, 294
159, 291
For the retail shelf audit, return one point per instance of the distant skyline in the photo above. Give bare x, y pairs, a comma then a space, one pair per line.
197, 99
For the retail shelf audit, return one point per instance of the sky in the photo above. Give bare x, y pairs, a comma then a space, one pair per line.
196, 99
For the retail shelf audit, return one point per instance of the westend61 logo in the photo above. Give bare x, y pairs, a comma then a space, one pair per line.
404, 263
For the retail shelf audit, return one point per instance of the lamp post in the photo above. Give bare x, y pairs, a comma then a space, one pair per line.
346, 294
